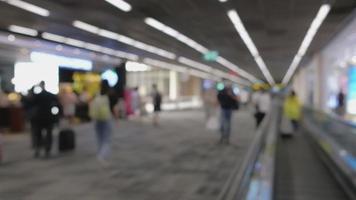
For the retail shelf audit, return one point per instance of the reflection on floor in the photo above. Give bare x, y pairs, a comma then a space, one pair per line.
178, 160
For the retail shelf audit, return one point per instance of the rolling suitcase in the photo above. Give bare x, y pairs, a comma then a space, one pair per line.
66, 141
286, 128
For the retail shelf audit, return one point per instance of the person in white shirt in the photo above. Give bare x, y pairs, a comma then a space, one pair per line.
263, 104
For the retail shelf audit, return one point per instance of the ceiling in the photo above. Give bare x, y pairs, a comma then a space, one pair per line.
277, 27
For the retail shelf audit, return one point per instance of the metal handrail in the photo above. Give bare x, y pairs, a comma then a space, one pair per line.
237, 186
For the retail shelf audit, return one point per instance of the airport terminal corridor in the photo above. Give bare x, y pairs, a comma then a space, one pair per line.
180, 159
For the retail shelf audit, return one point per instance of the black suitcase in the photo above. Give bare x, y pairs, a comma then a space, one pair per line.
66, 141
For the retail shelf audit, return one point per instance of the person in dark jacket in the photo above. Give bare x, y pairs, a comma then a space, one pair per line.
46, 111
228, 103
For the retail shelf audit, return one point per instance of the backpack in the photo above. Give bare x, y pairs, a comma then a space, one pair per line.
100, 108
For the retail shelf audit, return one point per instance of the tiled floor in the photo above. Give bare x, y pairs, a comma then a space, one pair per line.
180, 160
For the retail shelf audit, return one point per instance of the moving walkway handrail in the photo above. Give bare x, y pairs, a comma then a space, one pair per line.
341, 156
259, 158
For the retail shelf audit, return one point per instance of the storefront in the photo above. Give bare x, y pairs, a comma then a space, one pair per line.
330, 74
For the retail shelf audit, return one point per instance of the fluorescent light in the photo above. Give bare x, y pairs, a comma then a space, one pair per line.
223, 1
235, 68
29, 7
53, 37
174, 33
236, 20
74, 42
194, 64
122, 5
123, 39
198, 47
89, 46
313, 29
23, 30
86, 27
165, 65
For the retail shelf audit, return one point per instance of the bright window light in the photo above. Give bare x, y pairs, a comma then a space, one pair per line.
198, 47
123, 39
30, 74
236, 20
136, 67
120, 4
61, 61
29, 7
23, 30
313, 29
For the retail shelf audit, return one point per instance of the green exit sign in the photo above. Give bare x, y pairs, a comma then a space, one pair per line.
211, 56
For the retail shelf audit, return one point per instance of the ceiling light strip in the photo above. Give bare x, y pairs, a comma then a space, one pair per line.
195, 64
239, 26
89, 46
29, 7
120, 4
123, 39
174, 33
23, 30
198, 47
313, 29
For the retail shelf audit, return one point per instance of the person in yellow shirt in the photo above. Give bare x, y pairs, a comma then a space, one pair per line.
292, 109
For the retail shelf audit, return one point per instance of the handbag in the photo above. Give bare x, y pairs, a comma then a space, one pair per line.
212, 123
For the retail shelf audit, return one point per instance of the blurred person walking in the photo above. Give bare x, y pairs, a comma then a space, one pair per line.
136, 101
157, 101
292, 110
45, 115
210, 103
101, 113
27, 102
340, 106
228, 103
68, 102
262, 104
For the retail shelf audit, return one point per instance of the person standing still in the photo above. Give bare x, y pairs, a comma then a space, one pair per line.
100, 112
157, 101
46, 110
263, 104
228, 102
292, 109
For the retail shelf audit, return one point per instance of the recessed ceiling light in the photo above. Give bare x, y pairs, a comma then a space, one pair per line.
122, 5
23, 30
29, 7
313, 29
